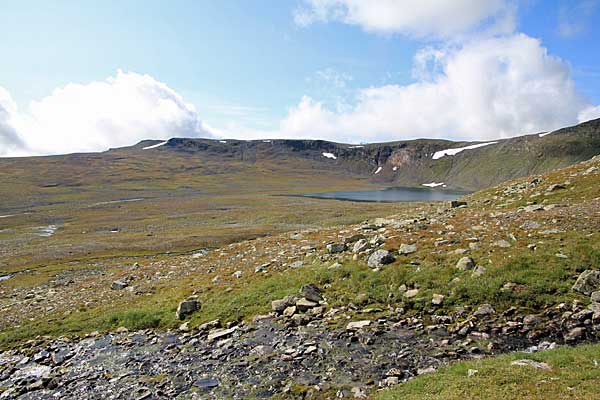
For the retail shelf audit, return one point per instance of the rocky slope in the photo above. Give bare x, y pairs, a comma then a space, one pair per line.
329, 313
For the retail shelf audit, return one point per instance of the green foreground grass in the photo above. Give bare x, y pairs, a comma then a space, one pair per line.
543, 279
575, 374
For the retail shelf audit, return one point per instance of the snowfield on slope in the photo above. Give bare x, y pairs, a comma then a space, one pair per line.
451, 152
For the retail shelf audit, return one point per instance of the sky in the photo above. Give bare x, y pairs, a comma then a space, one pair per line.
86, 76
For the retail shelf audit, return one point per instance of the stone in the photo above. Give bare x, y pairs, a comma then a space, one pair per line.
333, 248
358, 393
532, 363
406, 249
533, 207
296, 264
289, 311
483, 310
207, 383
575, 334
472, 372
437, 299
354, 238
411, 293
587, 282
458, 203
478, 271
304, 305
502, 243
187, 307
119, 285
555, 187
357, 325
595, 297
220, 333
312, 293
465, 263
360, 246
237, 274
379, 258
279, 305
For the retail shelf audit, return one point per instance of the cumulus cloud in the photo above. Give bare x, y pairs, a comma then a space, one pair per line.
118, 111
418, 18
10, 141
483, 89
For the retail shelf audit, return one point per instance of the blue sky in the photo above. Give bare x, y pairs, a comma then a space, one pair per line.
292, 68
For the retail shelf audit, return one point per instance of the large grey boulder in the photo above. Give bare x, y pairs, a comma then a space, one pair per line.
587, 282
333, 248
187, 307
280, 305
379, 258
311, 292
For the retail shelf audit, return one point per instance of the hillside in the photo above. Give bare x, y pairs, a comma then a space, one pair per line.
324, 312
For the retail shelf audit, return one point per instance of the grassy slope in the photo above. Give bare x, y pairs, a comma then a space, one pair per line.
575, 374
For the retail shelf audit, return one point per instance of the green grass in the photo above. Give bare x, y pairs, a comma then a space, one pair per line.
575, 375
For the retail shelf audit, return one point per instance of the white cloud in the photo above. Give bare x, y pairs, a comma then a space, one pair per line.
482, 89
419, 18
118, 111
10, 141
589, 113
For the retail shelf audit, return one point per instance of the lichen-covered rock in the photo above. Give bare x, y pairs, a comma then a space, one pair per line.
587, 282
465, 264
379, 258
187, 307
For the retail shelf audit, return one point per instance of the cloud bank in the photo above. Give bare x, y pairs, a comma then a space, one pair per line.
484, 89
118, 111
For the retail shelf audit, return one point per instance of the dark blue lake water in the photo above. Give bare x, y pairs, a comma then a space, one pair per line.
391, 195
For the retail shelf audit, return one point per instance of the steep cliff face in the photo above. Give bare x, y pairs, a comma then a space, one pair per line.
460, 165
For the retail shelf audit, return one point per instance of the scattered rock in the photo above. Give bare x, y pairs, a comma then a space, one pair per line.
575, 334
437, 299
360, 246
587, 282
533, 207
406, 249
502, 243
379, 258
357, 325
472, 372
483, 310
333, 248
187, 307
458, 203
312, 293
304, 305
532, 363
411, 293
478, 271
465, 264
279, 305
119, 285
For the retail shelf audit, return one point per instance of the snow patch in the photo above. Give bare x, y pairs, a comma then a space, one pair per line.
451, 152
222, 141
378, 170
7, 216
395, 168
434, 184
266, 141
545, 133
356, 147
330, 155
155, 145
45, 231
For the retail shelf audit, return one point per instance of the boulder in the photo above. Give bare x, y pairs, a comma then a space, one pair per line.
119, 285
407, 249
333, 248
587, 282
532, 363
483, 310
379, 258
304, 305
595, 297
409, 294
357, 325
187, 307
354, 238
465, 263
312, 293
360, 246
279, 305
437, 299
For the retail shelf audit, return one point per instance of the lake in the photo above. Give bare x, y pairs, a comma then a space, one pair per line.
391, 195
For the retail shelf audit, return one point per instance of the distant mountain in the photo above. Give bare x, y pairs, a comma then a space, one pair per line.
460, 165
